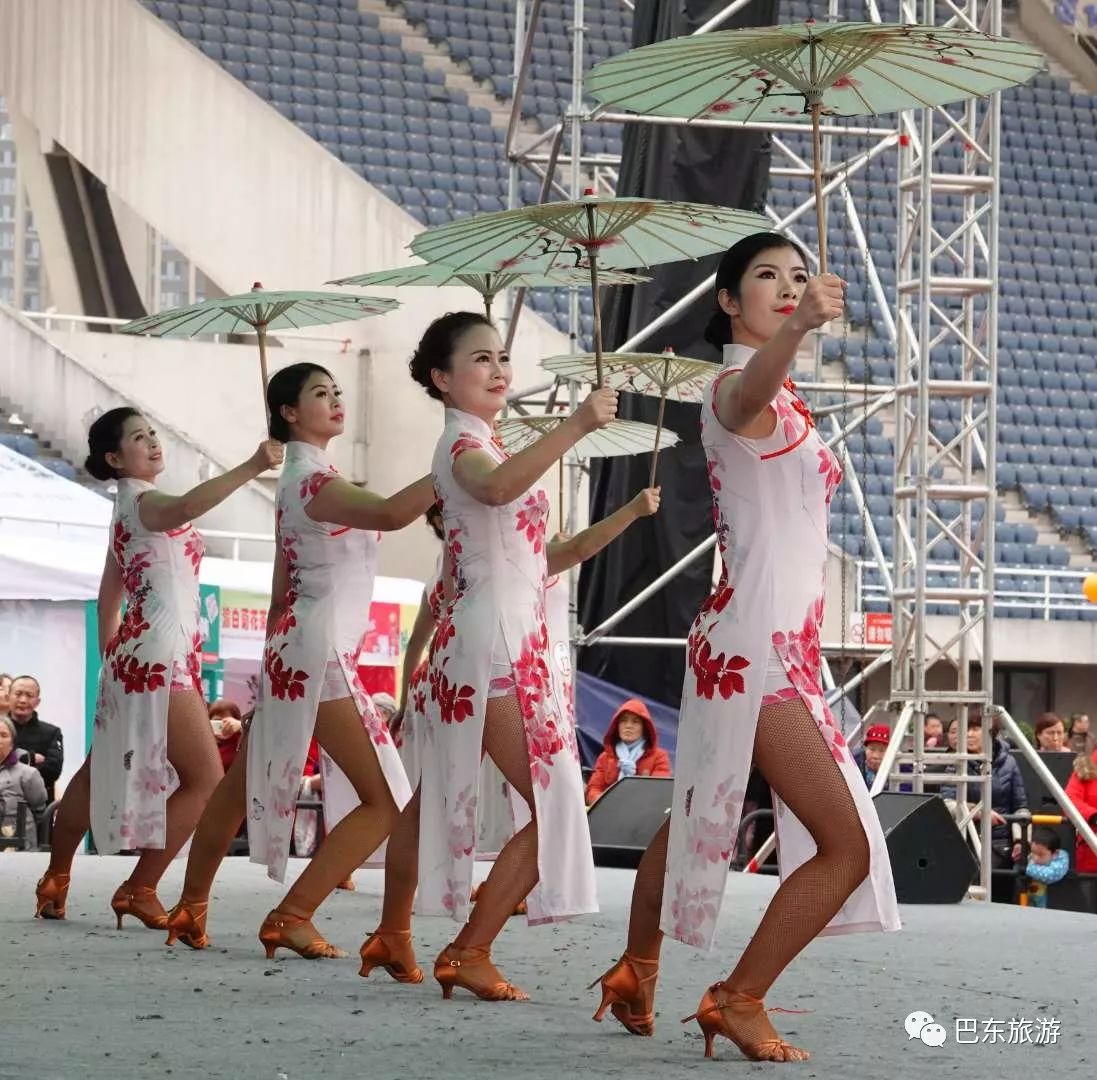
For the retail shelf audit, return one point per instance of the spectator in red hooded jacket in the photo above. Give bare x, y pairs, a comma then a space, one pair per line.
1081, 789
631, 749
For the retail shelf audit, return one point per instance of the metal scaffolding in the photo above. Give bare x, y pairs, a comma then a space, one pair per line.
944, 308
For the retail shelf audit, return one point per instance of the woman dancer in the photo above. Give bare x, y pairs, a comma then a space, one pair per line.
326, 533
753, 679
152, 732
497, 811
489, 681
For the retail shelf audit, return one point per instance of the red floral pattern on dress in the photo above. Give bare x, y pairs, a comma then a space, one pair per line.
311, 484
285, 683
287, 620
454, 703
532, 678
545, 741
194, 549
135, 677
194, 662
464, 441
533, 519
830, 470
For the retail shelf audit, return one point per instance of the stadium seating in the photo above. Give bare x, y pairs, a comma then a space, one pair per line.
329, 68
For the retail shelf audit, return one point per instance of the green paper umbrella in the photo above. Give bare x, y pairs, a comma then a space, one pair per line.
488, 283
260, 311
617, 439
663, 375
586, 234
816, 69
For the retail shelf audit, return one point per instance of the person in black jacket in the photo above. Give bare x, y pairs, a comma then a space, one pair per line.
41, 741
1007, 797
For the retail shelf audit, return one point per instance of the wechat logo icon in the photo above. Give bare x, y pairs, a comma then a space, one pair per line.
920, 1025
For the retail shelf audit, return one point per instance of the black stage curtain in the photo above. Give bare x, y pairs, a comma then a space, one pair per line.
694, 165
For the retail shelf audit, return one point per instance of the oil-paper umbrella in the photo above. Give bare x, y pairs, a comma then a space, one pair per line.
587, 234
617, 439
664, 375
260, 311
814, 69
488, 283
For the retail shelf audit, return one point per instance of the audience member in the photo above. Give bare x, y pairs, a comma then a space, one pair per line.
19, 782
5, 695
934, 730
631, 749
870, 755
41, 741
1081, 789
1080, 741
1007, 797
1047, 864
228, 729
1049, 733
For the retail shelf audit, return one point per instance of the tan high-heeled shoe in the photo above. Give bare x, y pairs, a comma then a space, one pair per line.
140, 902
472, 969
720, 1000
51, 893
621, 992
187, 923
283, 931
391, 950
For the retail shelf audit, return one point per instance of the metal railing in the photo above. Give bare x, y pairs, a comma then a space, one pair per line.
1058, 590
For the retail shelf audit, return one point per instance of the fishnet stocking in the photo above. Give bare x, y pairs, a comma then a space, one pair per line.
792, 756
515, 872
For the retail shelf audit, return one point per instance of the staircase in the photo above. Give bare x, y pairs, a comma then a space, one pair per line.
456, 73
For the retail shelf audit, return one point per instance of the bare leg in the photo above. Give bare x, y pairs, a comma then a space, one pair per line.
192, 751
219, 823
796, 762
467, 962
339, 731
72, 821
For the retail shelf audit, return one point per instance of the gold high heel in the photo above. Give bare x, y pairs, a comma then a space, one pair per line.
275, 934
142, 903
391, 950
472, 969
187, 923
621, 990
710, 1018
51, 894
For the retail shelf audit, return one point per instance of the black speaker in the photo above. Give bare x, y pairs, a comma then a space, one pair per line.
626, 817
930, 861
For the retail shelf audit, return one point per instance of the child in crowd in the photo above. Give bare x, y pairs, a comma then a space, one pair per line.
1047, 864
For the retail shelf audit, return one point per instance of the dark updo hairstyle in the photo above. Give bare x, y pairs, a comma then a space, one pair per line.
435, 350
284, 388
105, 437
729, 275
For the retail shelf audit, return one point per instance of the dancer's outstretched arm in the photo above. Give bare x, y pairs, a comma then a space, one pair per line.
341, 503
564, 554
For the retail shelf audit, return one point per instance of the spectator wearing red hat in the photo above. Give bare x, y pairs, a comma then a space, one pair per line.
871, 754
631, 749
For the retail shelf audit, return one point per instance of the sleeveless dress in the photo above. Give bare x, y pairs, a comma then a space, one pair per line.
155, 652
771, 500
311, 655
494, 633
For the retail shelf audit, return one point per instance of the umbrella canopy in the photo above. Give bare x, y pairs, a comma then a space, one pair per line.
488, 283
618, 438
585, 233
816, 69
260, 311
663, 375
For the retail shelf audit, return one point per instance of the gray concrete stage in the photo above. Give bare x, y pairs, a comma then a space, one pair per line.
81, 999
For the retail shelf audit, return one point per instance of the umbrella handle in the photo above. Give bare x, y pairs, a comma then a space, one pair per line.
658, 433
261, 332
592, 254
820, 208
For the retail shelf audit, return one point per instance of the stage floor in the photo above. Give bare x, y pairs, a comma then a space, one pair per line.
82, 999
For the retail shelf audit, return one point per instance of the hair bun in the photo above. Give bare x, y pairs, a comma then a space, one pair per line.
718, 330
